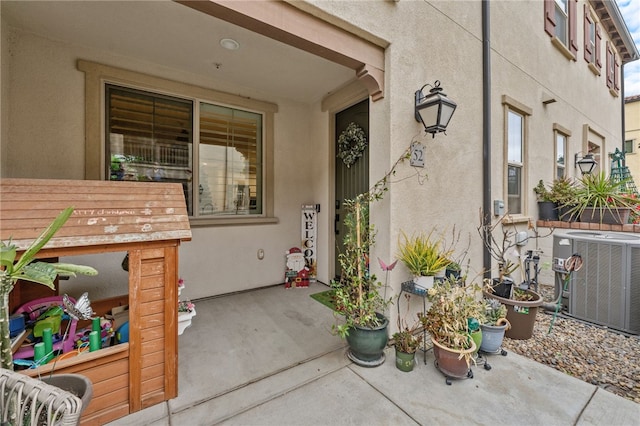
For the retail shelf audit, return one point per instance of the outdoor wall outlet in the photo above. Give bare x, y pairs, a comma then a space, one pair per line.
498, 207
260, 254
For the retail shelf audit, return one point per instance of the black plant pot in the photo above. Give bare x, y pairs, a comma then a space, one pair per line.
547, 210
502, 288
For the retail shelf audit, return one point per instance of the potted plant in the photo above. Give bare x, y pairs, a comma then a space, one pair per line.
424, 256
498, 249
522, 308
547, 208
186, 310
599, 198
447, 320
493, 323
520, 313
358, 294
563, 192
406, 341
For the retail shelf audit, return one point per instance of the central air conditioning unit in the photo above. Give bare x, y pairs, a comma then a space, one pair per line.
606, 290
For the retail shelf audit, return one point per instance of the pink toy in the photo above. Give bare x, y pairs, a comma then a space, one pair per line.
34, 309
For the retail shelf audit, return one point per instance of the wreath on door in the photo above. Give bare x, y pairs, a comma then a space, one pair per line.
351, 144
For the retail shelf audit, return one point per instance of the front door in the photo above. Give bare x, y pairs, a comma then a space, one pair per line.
352, 164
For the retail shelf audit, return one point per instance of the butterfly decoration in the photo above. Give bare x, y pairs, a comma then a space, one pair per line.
386, 267
81, 309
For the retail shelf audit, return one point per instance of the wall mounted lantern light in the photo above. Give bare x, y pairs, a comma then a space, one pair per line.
586, 164
434, 110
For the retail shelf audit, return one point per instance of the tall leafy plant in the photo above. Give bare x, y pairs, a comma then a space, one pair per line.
26, 269
359, 296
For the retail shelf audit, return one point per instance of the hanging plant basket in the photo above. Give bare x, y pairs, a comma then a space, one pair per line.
351, 144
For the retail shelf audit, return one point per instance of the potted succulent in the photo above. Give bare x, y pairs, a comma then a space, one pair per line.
424, 255
447, 320
600, 199
547, 207
563, 192
494, 323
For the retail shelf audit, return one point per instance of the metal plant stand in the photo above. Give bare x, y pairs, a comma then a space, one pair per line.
412, 288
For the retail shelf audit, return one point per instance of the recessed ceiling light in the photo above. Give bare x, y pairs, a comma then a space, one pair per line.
229, 44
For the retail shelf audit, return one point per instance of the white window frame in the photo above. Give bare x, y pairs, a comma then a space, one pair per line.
510, 106
562, 21
558, 133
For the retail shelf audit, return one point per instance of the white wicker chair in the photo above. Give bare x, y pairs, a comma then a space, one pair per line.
36, 402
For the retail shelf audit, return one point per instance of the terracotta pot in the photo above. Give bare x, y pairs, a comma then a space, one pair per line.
452, 362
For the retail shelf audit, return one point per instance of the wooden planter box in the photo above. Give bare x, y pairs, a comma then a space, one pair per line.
147, 220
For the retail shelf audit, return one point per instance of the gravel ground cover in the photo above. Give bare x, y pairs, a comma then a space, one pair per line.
597, 355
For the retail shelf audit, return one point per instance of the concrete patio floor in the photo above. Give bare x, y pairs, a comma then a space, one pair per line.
267, 357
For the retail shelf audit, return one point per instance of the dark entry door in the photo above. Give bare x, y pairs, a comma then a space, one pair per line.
353, 179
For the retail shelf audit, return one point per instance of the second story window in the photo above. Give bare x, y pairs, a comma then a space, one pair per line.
560, 23
592, 40
613, 70
562, 16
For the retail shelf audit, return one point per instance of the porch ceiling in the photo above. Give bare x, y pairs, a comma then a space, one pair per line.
178, 37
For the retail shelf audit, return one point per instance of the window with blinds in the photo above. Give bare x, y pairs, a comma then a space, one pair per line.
230, 160
151, 138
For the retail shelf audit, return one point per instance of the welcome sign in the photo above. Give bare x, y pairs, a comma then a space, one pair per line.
309, 238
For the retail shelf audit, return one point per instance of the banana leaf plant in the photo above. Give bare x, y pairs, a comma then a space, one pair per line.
26, 269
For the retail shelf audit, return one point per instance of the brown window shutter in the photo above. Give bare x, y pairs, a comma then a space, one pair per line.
550, 17
616, 75
609, 66
573, 27
588, 53
598, 44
